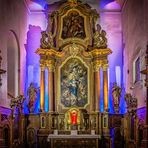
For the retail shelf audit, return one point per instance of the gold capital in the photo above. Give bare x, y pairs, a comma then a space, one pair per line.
105, 67
96, 65
42, 67
51, 65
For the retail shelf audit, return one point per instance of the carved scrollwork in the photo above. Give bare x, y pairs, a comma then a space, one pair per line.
74, 50
73, 3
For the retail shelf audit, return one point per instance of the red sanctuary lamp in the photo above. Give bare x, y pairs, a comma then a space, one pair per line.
74, 117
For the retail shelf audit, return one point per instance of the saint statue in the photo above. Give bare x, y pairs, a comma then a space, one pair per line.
32, 93
116, 93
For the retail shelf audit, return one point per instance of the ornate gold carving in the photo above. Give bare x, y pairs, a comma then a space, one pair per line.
105, 67
82, 35
97, 65
100, 63
74, 49
69, 118
51, 53
42, 64
51, 65
100, 40
73, 3
100, 52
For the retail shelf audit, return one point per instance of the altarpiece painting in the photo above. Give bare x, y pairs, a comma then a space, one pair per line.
73, 26
74, 90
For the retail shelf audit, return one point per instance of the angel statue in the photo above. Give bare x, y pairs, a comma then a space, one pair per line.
50, 40
100, 40
32, 93
116, 93
44, 40
97, 40
103, 39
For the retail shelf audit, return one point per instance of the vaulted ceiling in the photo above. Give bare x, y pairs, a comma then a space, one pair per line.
102, 5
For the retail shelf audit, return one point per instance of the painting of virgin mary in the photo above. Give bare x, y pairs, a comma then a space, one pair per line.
74, 83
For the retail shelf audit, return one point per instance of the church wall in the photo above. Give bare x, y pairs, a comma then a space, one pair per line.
13, 16
134, 42
111, 23
35, 26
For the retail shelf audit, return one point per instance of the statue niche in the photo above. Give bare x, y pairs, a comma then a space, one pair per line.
73, 26
74, 90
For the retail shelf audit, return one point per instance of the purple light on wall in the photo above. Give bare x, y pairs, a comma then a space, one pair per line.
111, 23
112, 6
32, 62
105, 2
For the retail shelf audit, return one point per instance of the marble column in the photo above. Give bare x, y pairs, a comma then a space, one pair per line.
42, 89
51, 102
97, 90
97, 85
105, 88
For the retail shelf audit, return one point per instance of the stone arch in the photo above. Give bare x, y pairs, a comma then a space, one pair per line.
13, 65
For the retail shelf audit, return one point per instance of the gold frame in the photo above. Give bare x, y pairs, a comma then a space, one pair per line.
59, 83
78, 40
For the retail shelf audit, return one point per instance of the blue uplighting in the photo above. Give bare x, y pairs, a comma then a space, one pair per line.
104, 2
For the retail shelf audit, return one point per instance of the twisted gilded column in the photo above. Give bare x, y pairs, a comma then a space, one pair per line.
42, 88
97, 84
105, 87
51, 66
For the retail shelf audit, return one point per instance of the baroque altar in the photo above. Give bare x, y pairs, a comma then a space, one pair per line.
74, 52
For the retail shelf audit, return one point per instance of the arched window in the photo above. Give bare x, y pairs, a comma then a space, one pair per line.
13, 59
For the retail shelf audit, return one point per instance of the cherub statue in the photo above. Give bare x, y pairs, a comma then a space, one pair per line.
32, 93
116, 93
